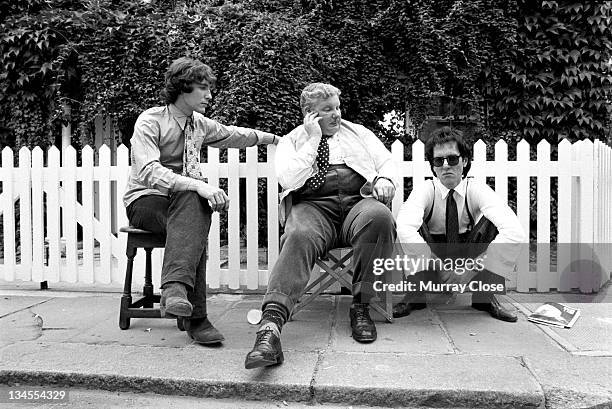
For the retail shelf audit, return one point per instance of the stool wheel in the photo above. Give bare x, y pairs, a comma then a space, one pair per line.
180, 323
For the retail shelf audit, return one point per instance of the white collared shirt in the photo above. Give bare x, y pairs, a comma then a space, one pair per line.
336, 153
354, 144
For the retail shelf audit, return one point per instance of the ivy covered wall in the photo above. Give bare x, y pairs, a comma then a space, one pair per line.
533, 69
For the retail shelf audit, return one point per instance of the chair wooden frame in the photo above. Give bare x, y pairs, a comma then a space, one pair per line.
143, 306
338, 270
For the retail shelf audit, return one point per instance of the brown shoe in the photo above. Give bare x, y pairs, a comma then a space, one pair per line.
202, 331
174, 302
363, 328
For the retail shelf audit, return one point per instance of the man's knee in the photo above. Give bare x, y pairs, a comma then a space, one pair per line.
300, 233
378, 217
189, 201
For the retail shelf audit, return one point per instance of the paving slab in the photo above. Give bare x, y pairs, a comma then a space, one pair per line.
66, 317
419, 380
479, 333
193, 371
307, 336
142, 331
574, 381
20, 326
10, 304
591, 333
420, 332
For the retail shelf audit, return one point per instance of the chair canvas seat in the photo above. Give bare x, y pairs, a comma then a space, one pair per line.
336, 268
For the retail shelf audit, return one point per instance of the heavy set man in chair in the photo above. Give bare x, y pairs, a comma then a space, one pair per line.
454, 218
166, 192
337, 178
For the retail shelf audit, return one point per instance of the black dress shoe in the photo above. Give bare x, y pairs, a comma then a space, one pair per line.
267, 350
363, 328
402, 309
174, 302
494, 307
202, 331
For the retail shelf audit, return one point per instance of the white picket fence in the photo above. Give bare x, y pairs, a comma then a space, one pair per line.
42, 243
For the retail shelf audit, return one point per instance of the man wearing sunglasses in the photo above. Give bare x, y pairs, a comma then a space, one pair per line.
463, 233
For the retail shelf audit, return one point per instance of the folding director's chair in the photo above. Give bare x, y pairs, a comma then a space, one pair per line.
337, 269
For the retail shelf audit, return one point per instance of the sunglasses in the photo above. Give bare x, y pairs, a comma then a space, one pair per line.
451, 159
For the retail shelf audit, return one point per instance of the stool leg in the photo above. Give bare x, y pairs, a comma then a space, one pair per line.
147, 290
126, 298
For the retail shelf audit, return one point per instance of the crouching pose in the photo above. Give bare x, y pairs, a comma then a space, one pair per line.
454, 217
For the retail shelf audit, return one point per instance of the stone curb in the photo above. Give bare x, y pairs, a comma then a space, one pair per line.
266, 391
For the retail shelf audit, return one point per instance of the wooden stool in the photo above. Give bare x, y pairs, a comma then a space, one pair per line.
338, 269
142, 307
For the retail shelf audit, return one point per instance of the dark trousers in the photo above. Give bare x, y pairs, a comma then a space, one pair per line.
471, 244
336, 215
184, 218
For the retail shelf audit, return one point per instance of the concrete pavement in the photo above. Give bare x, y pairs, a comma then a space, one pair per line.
443, 356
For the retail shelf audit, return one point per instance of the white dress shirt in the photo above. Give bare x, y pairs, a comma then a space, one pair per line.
481, 200
354, 145
336, 154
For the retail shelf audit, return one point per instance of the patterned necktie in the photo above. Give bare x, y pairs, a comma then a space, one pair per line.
191, 154
452, 219
316, 181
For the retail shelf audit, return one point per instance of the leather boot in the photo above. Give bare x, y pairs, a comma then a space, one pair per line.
492, 305
202, 331
267, 350
363, 328
174, 302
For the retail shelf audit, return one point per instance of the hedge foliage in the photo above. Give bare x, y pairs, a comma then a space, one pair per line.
536, 69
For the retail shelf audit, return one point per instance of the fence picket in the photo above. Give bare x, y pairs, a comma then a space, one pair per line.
87, 220
233, 220
252, 216
543, 220
68, 202
397, 152
586, 217
52, 188
105, 273
564, 216
525, 279
8, 206
418, 164
501, 169
38, 216
272, 202
25, 214
122, 170
607, 209
213, 276
479, 165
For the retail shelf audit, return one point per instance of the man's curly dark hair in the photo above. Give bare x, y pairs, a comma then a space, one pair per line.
180, 76
446, 134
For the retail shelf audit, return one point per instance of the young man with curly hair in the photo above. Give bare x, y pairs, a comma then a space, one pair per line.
166, 193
